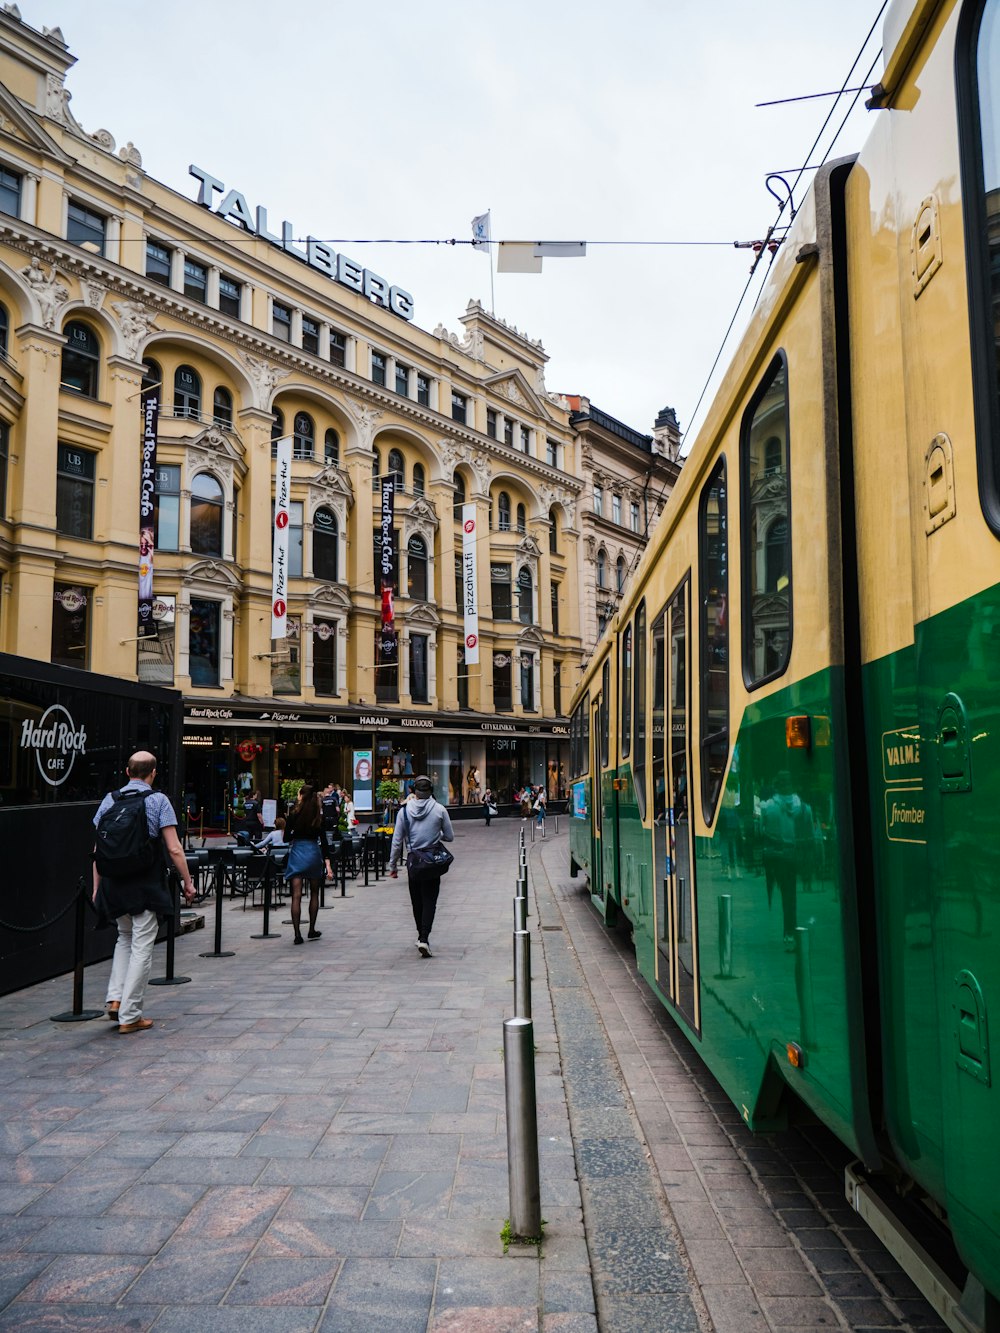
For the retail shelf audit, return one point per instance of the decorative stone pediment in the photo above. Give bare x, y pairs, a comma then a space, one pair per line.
221, 447
21, 124
512, 387
528, 548
331, 487
330, 597
531, 637
423, 512
214, 573
423, 615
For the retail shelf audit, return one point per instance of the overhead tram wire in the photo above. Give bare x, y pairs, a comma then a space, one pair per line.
800, 171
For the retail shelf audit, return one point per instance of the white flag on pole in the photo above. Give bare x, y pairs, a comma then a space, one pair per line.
279, 569
481, 232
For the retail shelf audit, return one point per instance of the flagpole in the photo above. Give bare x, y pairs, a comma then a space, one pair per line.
493, 299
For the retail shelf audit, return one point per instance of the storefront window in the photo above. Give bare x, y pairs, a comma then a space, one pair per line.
325, 540
528, 682
203, 642
155, 659
70, 625
500, 592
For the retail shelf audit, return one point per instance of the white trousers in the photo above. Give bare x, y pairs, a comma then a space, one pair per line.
131, 963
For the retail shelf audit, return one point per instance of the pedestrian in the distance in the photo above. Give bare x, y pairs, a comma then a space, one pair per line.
539, 809
309, 856
489, 805
135, 896
423, 822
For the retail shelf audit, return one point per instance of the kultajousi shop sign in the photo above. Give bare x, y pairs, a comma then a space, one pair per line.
234, 208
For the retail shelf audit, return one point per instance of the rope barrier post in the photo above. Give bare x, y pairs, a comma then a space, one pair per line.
522, 1128
220, 886
168, 979
267, 933
377, 858
343, 872
365, 850
522, 974
78, 1014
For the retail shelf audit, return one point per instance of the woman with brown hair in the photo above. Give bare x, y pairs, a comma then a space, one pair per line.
309, 851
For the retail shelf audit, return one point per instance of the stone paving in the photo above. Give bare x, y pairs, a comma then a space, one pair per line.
313, 1139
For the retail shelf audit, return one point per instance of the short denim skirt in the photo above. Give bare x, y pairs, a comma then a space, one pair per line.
305, 859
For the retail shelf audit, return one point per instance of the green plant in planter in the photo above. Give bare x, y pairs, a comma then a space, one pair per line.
387, 792
290, 788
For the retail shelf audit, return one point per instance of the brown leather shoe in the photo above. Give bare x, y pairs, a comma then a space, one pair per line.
140, 1025
113, 1007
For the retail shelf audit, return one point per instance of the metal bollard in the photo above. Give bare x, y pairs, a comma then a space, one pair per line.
522, 1128
269, 869
556, 829
520, 913
78, 1014
522, 974
532, 831
725, 936
218, 952
168, 979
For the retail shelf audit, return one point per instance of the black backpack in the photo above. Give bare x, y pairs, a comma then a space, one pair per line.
124, 847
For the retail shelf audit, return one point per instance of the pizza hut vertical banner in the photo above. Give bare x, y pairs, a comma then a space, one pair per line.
279, 569
470, 597
387, 560
147, 628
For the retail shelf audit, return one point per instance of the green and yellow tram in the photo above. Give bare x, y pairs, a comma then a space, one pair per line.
786, 749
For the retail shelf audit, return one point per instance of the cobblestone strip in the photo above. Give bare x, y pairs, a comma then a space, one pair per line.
774, 1246
641, 1274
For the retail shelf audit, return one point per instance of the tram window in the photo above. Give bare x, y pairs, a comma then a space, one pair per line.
626, 693
605, 712
766, 530
585, 734
979, 94
713, 556
659, 732
639, 692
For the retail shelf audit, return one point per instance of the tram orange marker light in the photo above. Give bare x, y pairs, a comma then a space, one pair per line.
796, 1055
797, 733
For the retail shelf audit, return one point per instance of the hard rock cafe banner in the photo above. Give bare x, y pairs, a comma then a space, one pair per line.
279, 568
470, 598
387, 654
147, 627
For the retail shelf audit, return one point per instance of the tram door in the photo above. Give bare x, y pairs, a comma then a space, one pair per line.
676, 922
597, 878
608, 812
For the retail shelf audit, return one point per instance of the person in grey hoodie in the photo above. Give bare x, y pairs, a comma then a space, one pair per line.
422, 822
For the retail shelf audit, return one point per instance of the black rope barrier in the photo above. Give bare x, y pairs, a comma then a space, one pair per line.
168, 979
78, 1014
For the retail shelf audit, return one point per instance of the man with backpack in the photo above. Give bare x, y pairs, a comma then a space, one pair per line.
135, 826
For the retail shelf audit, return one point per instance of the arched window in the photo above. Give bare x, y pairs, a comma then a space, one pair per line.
81, 359
553, 532
395, 468
277, 430
524, 596
303, 436
4, 328
458, 481
207, 505
419, 481
222, 407
772, 455
602, 569
331, 447
620, 569
187, 393
416, 568
326, 541
503, 512
152, 377
522, 519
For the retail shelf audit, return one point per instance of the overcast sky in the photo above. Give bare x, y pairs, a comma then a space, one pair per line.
586, 121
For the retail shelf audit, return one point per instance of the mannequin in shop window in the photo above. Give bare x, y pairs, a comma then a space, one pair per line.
472, 786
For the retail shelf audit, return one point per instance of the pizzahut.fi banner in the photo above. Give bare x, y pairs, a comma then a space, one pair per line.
146, 625
470, 597
282, 515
